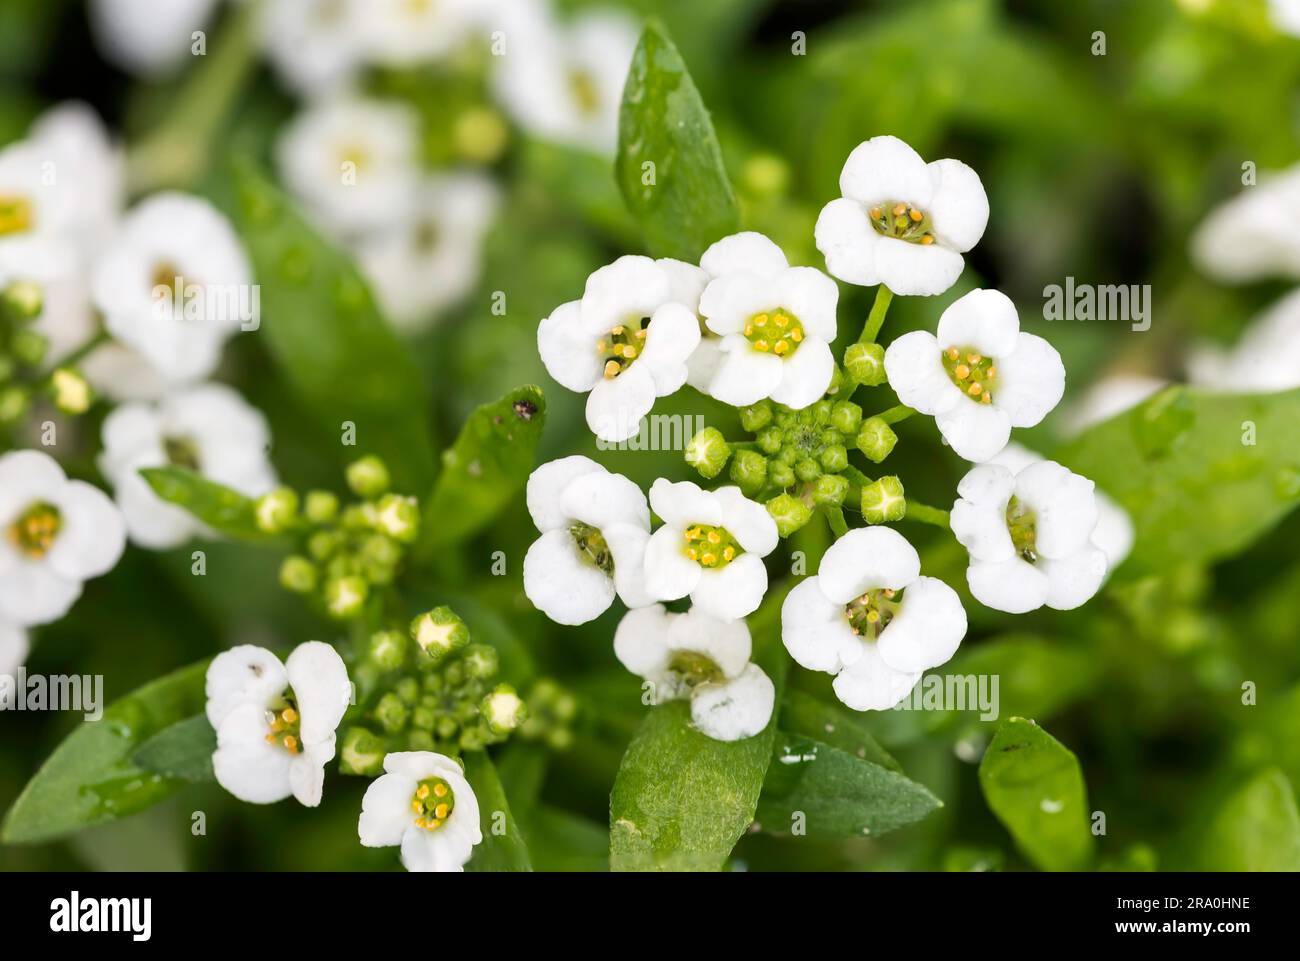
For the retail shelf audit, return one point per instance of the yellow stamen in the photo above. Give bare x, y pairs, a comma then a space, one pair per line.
714, 537
441, 811
423, 792
916, 215
875, 213
782, 347
975, 390
927, 240
629, 351
617, 331
991, 373
962, 371
708, 560
291, 743
761, 345
749, 330
693, 554
728, 552
782, 320
600, 346
611, 369
796, 335
952, 353
974, 358
440, 790
900, 209
986, 399
289, 715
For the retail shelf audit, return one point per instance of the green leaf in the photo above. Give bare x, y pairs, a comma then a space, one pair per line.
1232, 462
684, 201
226, 511
828, 793
503, 851
91, 777
1256, 829
835, 726
183, 750
321, 326
1034, 785
486, 468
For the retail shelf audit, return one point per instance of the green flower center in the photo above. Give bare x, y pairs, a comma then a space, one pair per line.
694, 668
902, 221
35, 529
432, 802
974, 374
775, 332
284, 724
871, 613
622, 345
16, 215
711, 547
586, 94
1022, 525
182, 452
593, 547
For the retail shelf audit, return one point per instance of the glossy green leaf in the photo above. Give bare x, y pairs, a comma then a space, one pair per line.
1256, 829
833, 725
91, 777
1231, 462
819, 791
1034, 785
320, 324
503, 847
183, 750
669, 164
224, 510
486, 468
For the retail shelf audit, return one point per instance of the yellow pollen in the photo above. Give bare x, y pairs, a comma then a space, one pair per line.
433, 824
875, 213
974, 358
986, 399
749, 330
693, 554
782, 347
440, 790
423, 792
900, 209
421, 823
728, 553
761, 345
291, 743
991, 373
441, 811
782, 320
271, 739
709, 559
600, 346
416, 806
927, 240
760, 319
975, 390
714, 537
952, 353
611, 369
796, 335
640, 335
962, 371
629, 351
289, 715
916, 215
617, 331
692, 533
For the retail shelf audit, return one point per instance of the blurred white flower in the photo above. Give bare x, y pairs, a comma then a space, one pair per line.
980, 376
424, 804
696, 656
775, 322
87, 167
34, 206
1254, 235
1109, 397
353, 162
594, 526
902, 222
1264, 360
871, 619
626, 342
315, 46
55, 534
148, 37
1286, 15
14, 648
404, 32
275, 722
710, 546
563, 81
434, 257
209, 429
66, 319
166, 242
1030, 537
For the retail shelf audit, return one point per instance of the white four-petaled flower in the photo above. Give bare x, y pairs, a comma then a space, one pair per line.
595, 526
1030, 536
870, 618
710, 546
698, 656
901, 222
980, 376
424, 804
1253, 235
275, 722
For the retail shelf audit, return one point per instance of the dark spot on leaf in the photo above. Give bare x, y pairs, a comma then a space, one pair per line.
525, 409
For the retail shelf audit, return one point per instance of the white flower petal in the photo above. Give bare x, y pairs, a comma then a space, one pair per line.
627, 544
641, 641
736, 709
847, 240
418, 765
1065, 505
627, 290
1073, 580
865, 559
600, 498
747, 251
733, 591
546, 487
1031, 381
730, 301
26, 476
805, 375
703, 363
812, 297
815, 630
320, 683
684, 503
1014, 586
725, 642
870, 684
988, 485
959, 209
916, 270
562, 584
927, 629
386, 810
975, 431
615, 406
439, 850
671, 336
307, 775
246, 674
985, 320
686, 282
745, 376
885, 168
982, 529
245, 764
914, 367
568, 351
92, 534
669, 573
33, 594
747, 521
1114, 533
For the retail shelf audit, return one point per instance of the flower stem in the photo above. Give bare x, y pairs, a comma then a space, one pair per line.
896, 413
926, 514
835, 515
856, 476
80, 354
877, 316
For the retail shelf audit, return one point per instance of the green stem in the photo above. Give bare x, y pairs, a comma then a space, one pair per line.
877, 316
80, 354
896, 413
856, 476
926, 514
835, 515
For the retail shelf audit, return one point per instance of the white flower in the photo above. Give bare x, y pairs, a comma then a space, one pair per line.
146, 37
1255, 234
870, 618
595, 526
775, 322
275, 722
66, 319
698, 656
14, 648
87, 167
1109, 397
980, 376
402, 32
1029, 535
434, 257
901, 222
55, 533
710, 546
35, 205
424, 804
1285, 15
564, 81
1263, 360
172, 240
626, 341
353, 162
209, 429
316, 46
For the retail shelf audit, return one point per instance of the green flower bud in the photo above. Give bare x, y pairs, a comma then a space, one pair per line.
368, 477
455, 675
865, 363
503, 710
821, 412
398, 517
323, 544
22, 300
474, 739
277, 510
837, 381
298, 574
770, 439
439, 632
807, 470
446, 728
765, 175
28, 346
708, 452
749, 471
559, 739
71, 391
789, 455
418, 740
359, 517
434, 684
362, 752
846, 417
784, 417
381, 549
388, 649
14, 401
790, 513
830, 489
345, 597
408, 689
834, 458
480, 661
779, 473
883, 501
423, 718
321, 507
876, 439
755, 417
391, 714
